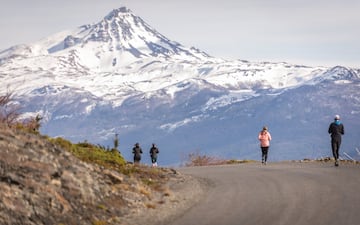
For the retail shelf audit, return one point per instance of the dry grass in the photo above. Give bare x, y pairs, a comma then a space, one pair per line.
197, 159
144, 191
150, 206
99, 222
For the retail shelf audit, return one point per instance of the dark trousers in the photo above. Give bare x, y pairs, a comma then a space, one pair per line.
335, 145
137, 159
153, 159
264, 151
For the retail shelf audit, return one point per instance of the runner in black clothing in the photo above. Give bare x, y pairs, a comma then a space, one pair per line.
153, 154
336, 129
137, 151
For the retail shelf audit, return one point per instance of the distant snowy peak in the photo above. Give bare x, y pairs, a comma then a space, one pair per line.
123, 33
129, 32
115, 12
119, 39
340, 72
123, 27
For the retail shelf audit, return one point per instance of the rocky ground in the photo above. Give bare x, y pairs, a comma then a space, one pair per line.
40, 183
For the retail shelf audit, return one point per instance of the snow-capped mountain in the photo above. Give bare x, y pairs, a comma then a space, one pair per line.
122, 76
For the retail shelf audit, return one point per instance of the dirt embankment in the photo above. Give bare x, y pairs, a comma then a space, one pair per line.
41, 183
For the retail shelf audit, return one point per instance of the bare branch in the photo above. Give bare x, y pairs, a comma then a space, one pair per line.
9, 112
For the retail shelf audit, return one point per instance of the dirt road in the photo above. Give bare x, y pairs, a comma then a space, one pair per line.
276, 194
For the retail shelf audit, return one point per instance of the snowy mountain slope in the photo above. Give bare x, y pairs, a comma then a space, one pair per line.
122, 76
298, 119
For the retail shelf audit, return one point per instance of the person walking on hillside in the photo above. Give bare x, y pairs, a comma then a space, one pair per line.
153, 154
264, 138
336, 129
137, 151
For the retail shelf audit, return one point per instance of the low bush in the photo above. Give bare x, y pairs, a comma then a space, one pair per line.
92, 154
196, 159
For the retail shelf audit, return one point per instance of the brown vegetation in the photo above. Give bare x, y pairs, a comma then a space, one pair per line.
198, 159
9, 112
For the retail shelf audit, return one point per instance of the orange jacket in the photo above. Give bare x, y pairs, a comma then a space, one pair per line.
264, 138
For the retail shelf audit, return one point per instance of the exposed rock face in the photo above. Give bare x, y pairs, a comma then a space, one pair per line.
43, 184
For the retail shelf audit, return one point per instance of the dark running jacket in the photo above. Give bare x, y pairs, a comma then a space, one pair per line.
153, 152
336, 130
137, 151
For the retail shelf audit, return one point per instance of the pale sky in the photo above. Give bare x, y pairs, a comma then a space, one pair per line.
307, 32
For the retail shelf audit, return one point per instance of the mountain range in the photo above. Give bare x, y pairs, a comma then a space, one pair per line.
121, 76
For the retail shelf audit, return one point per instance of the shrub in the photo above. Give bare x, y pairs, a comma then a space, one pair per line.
9, 111
31, 125
196, 159
92, 154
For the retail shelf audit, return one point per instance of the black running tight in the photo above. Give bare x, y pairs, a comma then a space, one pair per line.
264, 151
